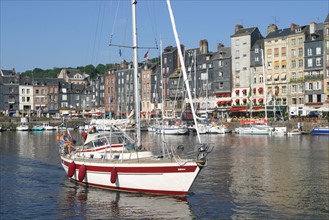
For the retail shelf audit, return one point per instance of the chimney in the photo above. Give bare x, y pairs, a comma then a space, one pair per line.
219, 46
271, 28
203, 46
312, 27
238, 27
293, 26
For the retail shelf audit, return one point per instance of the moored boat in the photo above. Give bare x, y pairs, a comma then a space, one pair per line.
132, 169
320, 131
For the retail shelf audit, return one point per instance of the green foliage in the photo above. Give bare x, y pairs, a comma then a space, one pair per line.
90, 69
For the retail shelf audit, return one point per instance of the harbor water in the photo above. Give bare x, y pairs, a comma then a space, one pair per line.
247, 177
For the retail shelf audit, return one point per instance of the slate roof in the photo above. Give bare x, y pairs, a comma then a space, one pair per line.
244, 32
285, 32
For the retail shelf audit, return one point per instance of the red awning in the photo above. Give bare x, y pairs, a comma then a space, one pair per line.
254, 100
244, 90
254, 89
260, 89
237, 91
260, 100
244, 99
237, 100
96, 113
238, 109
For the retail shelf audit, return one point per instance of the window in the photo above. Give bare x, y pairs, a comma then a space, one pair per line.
276, 52
300, 63
23, 91
276, 64
293, 42
255, 79
309, 51
284, 89
310, 86
293, 75
64, 97
27, 91
237, 42
261, 78
301, 88
293, 64
293, 88
269, 65
283, 64
310, 62
220, 74
256, 59
220, 63
257, 50
318, 61
237, 53
293, 52
300, 40
221, 85
63, 90
318, 51
300, 52
283, 51
269, 52
237, 66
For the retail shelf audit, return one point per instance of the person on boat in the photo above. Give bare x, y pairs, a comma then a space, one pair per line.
92, 130
84, 135
66, 142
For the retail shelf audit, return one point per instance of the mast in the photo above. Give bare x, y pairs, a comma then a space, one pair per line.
181, 59
136, 76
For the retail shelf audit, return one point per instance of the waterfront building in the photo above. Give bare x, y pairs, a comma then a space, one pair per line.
313, 72
147, 105
170, 63
110, 92
125, 89
221, 79
326, 60
26, 96
242, 42
9, 90
40, 97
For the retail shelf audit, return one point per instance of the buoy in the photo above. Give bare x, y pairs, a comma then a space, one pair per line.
71, 170
114, 175
82, 173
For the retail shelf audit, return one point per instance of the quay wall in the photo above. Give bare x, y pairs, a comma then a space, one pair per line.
10, 123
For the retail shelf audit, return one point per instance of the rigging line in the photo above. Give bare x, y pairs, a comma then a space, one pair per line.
153, 29
125, 46
114, 22
92, 54
101, 31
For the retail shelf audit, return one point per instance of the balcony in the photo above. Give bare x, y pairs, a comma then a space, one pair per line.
314, 103
314, 77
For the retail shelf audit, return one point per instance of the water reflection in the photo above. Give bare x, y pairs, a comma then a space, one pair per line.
257, 177
103, 204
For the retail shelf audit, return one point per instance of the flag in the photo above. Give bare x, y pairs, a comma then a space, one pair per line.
146, 56
120, 52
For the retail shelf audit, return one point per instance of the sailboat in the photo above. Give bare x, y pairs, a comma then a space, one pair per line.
130, 169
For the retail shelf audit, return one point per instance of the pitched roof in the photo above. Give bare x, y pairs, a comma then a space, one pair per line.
244, 32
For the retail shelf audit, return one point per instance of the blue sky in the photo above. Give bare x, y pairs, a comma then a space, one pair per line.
48, 34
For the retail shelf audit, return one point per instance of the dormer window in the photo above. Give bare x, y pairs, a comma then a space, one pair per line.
298, 30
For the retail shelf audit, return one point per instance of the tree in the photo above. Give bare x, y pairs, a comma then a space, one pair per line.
90, 70
101, 69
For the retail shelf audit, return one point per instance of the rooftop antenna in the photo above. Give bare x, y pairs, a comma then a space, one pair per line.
276, 20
